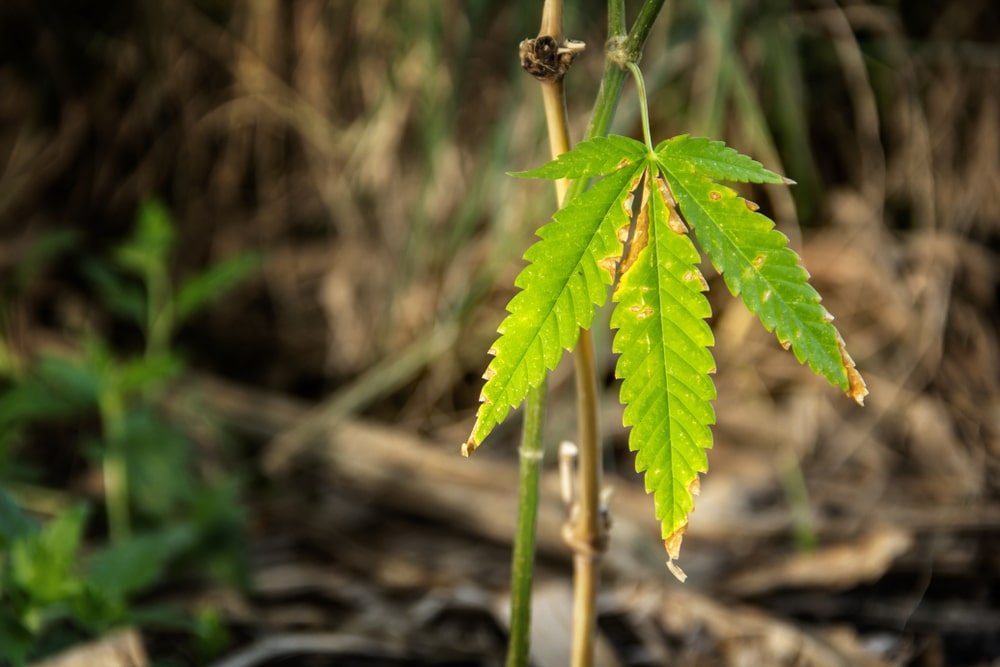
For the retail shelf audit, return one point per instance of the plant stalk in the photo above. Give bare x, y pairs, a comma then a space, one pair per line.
522, 566
588, 528
587, 532
523, 560
115, 465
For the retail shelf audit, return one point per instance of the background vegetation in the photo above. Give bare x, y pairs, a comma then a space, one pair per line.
215, 216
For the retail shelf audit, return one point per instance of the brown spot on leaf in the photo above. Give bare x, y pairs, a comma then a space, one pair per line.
609, 264
674, 219
715, 196
640, 234
753, 206
640, 312
758, 262
695, 274
628, 203
622, 234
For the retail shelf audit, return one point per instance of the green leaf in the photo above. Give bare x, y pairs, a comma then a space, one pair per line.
54, 388
757, 265
13, 521
569, 272
591, 158
42, 563
131, 565
151, 242
660, 310
124, 297
198, 291
665, 364
147, 372
716, 160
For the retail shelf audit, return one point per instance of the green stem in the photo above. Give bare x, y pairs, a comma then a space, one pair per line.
159, 311
621, 49
616, 18
115, 465
524, 539
643, 108
637, 36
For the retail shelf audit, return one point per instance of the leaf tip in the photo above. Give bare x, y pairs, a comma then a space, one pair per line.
856, 386
673, 547
469, 446
787, 181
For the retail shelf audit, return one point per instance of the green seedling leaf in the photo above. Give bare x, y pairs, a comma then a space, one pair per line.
665, 364
198, 291
568, 274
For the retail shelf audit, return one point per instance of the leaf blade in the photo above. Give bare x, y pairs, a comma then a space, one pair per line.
568, 274
717, 160
757, 265
596, 157
665, 364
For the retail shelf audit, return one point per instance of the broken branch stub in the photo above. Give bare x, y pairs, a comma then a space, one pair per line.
547, 59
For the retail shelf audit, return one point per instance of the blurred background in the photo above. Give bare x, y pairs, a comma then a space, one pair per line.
252, 255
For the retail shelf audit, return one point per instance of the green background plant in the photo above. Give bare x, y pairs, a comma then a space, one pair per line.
161, 512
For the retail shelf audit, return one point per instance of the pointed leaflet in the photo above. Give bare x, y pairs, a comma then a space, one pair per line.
569, 273
756, 264
665, 365
717, 160
590, 158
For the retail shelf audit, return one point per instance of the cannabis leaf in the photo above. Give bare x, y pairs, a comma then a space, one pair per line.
663, 340
660, 307
568, 274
